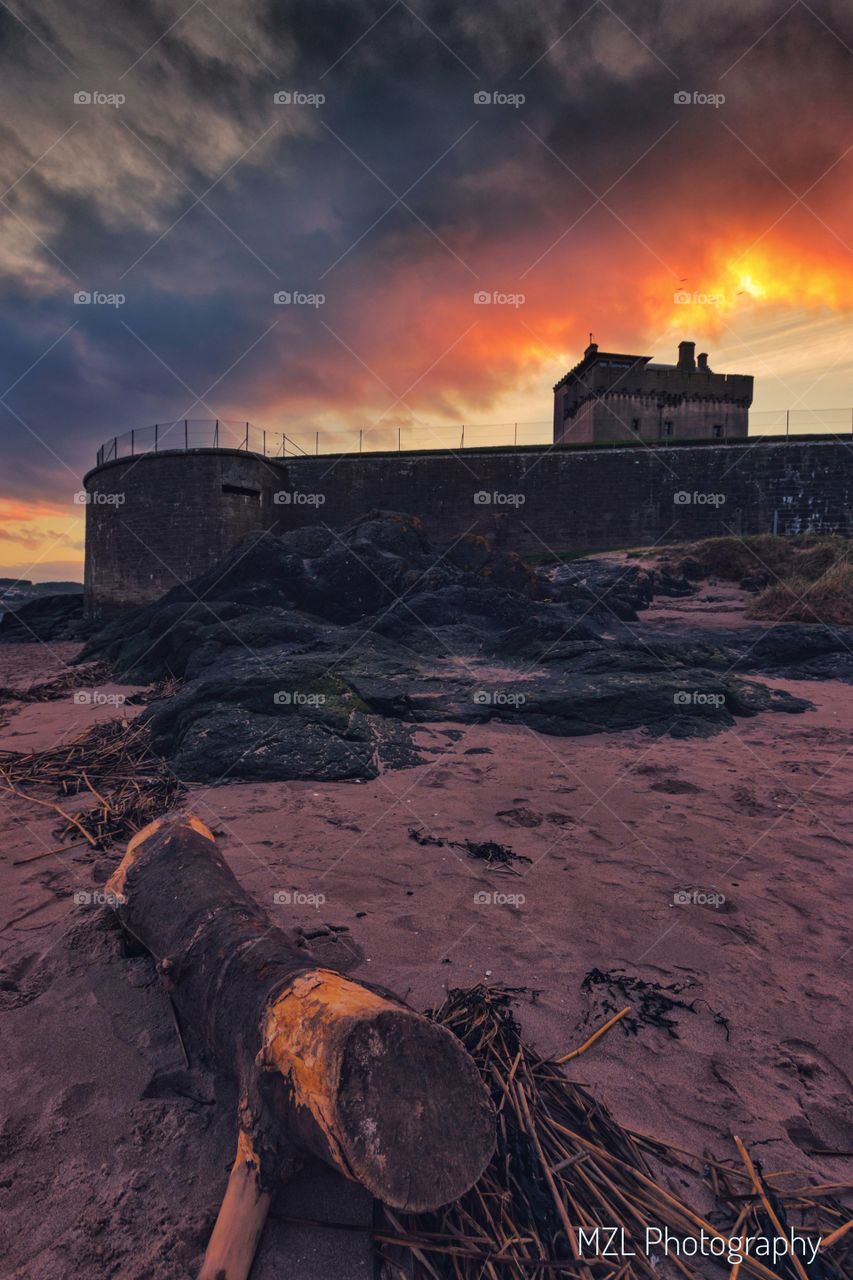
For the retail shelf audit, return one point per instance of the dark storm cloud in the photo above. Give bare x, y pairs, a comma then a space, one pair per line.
112, 205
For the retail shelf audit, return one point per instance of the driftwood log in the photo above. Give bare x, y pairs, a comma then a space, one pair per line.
322, 1064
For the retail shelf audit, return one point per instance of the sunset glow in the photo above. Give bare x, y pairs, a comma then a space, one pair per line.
651, 186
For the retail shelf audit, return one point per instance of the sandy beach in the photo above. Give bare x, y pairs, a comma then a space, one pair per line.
715, 867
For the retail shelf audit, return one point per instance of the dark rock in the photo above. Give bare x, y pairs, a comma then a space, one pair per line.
615, 588
675, 787
790, 643
54, 617
229, 743
520, 817
276, 716
691, 569
319, 653
675, 586
755, 582
475, 555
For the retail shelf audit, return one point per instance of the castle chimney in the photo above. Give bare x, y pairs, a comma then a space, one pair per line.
592, 348
686, 360
702, 362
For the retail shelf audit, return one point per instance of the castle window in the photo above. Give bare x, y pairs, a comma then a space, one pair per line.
666, 429
718, 431
635, 425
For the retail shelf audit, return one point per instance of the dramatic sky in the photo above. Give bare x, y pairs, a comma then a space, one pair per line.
602, 199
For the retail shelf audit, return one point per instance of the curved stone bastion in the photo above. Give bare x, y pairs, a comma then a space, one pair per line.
160, 519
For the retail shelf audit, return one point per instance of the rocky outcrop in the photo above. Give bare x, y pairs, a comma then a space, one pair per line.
53, 617
319, 653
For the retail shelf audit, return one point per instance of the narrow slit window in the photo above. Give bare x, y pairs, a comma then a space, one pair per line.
242, 491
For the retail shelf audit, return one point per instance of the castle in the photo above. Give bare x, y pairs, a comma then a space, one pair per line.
642, 454
611, 396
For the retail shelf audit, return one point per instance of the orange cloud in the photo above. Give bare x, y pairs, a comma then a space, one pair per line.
30, 532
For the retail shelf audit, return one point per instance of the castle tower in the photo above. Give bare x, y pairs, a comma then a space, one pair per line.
611, 396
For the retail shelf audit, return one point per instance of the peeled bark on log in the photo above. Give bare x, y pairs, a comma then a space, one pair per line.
323, 1064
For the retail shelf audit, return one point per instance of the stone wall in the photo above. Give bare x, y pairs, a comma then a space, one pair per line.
158, 520
625, 418
176, 521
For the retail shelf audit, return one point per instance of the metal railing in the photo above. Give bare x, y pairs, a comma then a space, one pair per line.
798, 422
208, 433
185, 434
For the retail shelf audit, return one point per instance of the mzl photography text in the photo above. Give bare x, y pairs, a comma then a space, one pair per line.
616, 1242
